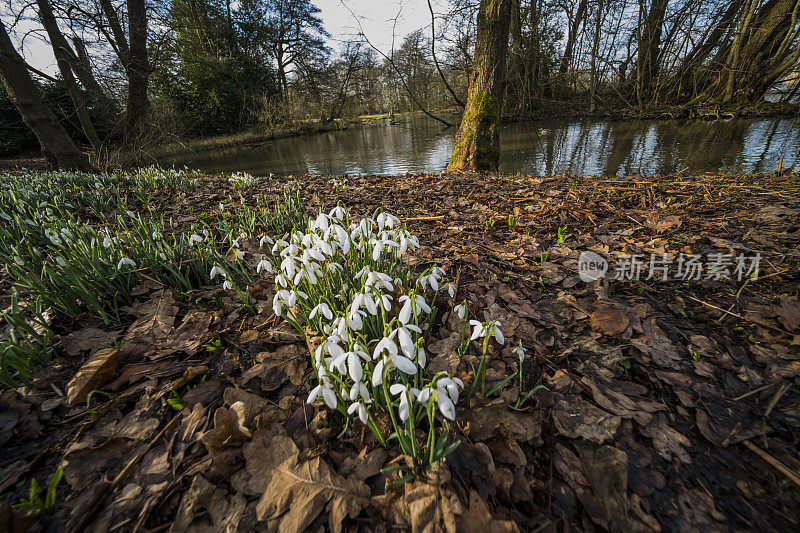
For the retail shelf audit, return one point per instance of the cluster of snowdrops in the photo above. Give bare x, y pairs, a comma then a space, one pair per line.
348, 286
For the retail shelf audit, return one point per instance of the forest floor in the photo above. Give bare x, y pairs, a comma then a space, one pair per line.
669, 405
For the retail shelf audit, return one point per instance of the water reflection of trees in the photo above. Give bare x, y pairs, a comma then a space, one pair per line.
568, 146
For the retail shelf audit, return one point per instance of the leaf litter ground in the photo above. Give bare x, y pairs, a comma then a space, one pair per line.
668, 405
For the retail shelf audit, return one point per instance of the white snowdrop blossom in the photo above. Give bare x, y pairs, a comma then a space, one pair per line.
217, 271
461, 310
125, 261
227, 285
264, 266
323, 309
407, 396
481, 330
519, 351
195, 239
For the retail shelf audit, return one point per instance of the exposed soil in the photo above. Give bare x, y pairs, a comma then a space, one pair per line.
669, 405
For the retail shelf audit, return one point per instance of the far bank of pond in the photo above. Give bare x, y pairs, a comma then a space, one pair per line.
543, 147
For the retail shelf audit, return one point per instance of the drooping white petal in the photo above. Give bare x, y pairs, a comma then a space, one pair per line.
377, 374
446, 406
404, 364
354, 366
330, 397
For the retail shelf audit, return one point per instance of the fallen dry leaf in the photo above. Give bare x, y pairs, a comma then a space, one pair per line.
661, 223
229, 429
298, 493
575, 417
478, 517
96, 372
87, 340
609, 319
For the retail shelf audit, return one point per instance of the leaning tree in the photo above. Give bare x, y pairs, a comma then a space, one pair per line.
58, 148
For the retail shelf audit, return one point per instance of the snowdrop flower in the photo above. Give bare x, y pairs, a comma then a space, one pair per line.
405, 312
386, 301
451, 289
485, 330
354, 368
325, 390
264, 265
62, 263
227, 285
215, 271
422, 304
18, 260
407, 395
321, 222
405, 341
195, 238
387, 221
461, 310
445, 403
385, 344
265, 240
239, 254
125, 261
276, 304
379, 281
337, 213
235, 243
494, 329
362, 411
450, 386
66, 233
519, 351
156, 236
107, 242
131, 214
323, 309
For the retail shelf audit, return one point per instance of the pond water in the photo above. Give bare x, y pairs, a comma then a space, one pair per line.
544, 147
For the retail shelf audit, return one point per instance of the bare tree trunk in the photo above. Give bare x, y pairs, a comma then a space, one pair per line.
83, 71
120, 41
690, 65
62, 52
649, 48
138, 68
57, 147
736, 47
573, 33
477, 145
523, 82
595, 48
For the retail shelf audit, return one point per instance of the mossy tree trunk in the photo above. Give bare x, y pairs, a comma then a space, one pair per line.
57, 147
477, 145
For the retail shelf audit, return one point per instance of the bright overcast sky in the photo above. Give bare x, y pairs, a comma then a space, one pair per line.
376, 16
